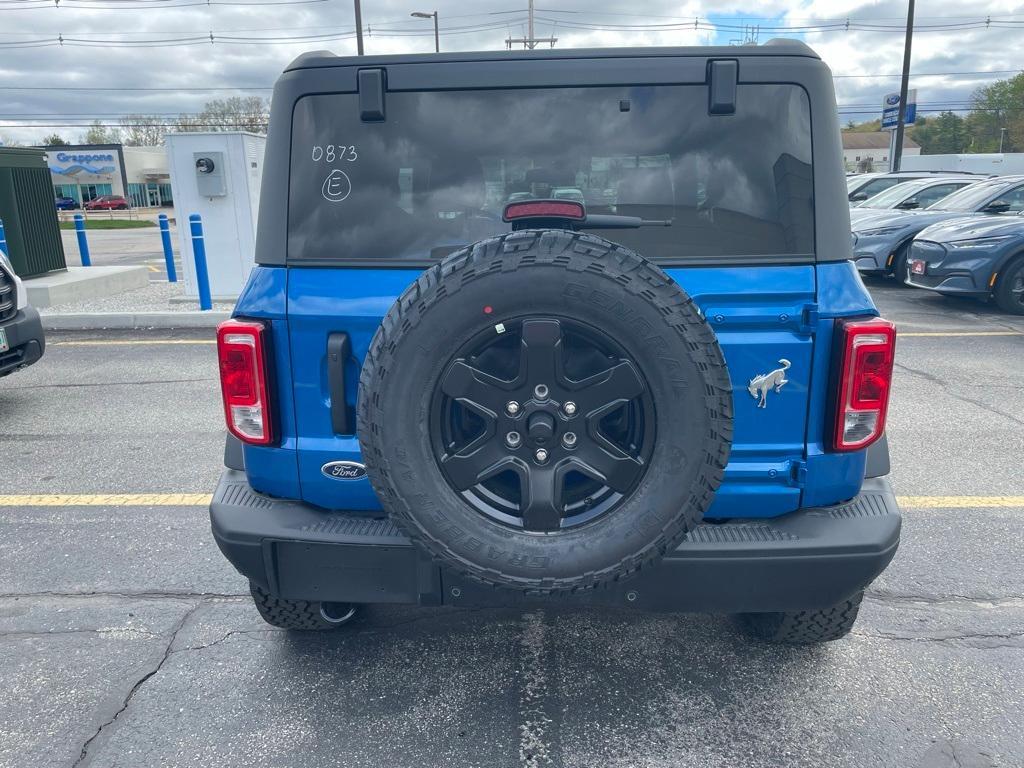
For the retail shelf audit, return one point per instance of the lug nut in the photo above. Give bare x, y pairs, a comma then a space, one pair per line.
512, 408
569, 408
569, 439
541, 455
541, 392
513, 439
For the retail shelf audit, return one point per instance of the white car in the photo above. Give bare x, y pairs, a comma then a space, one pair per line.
21, 332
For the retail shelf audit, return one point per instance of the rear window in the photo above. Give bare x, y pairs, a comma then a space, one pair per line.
437, 174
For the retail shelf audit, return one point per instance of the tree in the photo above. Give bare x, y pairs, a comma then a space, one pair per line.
945, 134
143, 130
6, 140
996, 107
55, 140
236, 113
98, 133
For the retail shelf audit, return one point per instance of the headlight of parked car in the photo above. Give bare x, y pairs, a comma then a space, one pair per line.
879, 231
980, 242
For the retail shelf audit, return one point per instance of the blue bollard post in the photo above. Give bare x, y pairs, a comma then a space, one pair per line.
195, 223
165, 235
83, 244
3, 239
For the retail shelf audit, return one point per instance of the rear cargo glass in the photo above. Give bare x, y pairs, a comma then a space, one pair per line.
438, 172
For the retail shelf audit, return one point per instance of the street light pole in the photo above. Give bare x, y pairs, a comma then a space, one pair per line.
897, 155
359, 29
437, 33
1002, 133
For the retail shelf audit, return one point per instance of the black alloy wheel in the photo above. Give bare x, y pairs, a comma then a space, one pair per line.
544, 425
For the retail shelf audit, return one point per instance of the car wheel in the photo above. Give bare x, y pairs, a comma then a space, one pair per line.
805, 627
1009, 292
900, 268
545, 411
300, 614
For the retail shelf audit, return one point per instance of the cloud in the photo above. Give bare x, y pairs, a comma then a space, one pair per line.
67, 72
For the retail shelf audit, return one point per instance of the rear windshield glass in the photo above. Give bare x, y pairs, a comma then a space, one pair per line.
438, 172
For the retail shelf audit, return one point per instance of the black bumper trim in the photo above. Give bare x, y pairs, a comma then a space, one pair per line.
25, 338
812, 558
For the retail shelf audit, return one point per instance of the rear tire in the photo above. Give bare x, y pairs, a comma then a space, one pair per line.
1009, 293
805, 627
304, 615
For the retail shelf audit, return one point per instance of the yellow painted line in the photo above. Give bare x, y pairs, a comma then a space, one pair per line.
203, 499
106, 500
940, 334
958, 502
129, 342
152, 268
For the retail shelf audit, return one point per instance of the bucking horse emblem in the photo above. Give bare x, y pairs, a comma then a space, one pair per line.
759, 385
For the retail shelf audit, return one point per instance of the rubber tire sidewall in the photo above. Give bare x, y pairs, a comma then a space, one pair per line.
1002, 291
693, 412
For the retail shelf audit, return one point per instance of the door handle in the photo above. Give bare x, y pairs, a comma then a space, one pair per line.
339, 348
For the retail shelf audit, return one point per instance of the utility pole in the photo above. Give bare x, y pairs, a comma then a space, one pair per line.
1002, 133
530, 41
359, 29
897, 152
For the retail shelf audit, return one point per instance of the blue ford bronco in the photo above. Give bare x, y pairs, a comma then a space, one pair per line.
563, 327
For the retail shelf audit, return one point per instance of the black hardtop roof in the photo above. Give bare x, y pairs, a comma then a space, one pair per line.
776, 47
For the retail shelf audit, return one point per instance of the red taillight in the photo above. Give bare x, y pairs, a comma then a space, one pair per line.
865, 377
558, 209
242, 351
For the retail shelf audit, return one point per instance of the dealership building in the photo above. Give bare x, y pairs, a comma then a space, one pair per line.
86, 171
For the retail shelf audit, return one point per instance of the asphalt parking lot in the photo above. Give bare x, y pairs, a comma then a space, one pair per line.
125, 247
127, 640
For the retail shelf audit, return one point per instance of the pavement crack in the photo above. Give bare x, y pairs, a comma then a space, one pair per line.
84, 755
977, 640
982, 600
957, 394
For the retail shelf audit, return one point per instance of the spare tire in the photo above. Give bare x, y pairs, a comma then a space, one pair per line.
546, 411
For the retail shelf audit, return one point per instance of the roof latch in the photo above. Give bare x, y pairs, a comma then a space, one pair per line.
722, 77
372, 83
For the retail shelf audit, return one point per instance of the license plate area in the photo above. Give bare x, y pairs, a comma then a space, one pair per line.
918, 266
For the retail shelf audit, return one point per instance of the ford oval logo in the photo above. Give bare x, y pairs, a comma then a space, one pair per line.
344, 470
892, 99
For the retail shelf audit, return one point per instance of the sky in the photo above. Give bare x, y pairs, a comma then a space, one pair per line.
156, 57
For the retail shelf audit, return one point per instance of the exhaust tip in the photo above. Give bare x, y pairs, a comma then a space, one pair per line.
337, 613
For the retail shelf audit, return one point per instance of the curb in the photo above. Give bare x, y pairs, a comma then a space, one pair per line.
94, 321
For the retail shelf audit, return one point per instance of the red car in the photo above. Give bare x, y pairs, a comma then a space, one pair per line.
108, 203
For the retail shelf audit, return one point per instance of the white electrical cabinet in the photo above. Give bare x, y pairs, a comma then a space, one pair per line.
217, 175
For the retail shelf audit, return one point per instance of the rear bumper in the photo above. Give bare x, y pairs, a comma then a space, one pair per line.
808, 559
25, 338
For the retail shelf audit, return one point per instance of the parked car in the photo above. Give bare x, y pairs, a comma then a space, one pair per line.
982, 257
108, 203
881, 242
679, 405
66, 204
21, 333
910, 196
864, 186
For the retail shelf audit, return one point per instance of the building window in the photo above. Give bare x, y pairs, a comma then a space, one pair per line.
857, 158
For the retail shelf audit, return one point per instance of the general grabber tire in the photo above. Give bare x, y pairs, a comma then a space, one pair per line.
300, 614
806, 627
545, 411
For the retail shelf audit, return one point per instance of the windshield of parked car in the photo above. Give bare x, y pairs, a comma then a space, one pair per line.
438, 172
895, 195
971, 198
